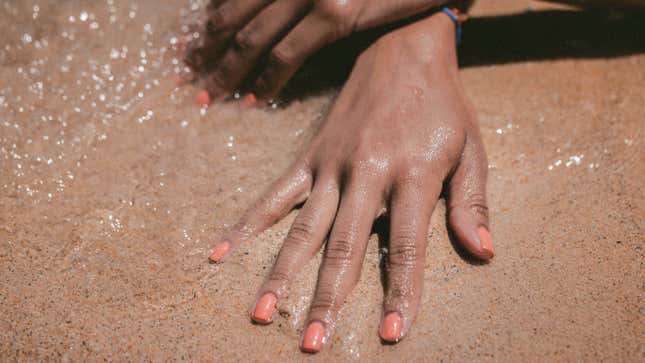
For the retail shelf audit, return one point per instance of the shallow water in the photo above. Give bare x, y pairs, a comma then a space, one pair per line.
114, 187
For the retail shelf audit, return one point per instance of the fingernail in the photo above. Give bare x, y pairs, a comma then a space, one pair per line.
391, 327
249, 100
220, 251
313, 339
264, 308
486, 241
203, 98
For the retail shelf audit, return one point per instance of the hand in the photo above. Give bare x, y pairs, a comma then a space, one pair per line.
279, 35
399, 129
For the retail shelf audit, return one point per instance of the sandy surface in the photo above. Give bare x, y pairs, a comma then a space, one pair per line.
114, 187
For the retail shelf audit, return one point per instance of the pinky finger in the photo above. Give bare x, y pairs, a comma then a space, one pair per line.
287, 192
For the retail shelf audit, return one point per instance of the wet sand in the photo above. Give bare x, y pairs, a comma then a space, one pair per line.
114, 188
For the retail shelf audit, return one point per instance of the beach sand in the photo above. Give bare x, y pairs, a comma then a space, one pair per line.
114, 187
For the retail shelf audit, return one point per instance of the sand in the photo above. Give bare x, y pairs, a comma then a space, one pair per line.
114, 187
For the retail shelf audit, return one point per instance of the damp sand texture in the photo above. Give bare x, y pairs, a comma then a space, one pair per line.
114, 188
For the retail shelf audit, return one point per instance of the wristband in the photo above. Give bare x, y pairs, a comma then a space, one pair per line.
453, 13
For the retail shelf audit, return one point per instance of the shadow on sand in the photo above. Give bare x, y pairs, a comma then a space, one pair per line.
531, 36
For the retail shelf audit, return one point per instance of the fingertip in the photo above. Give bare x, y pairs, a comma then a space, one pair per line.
203, 98
391, 327
220, 251
250, 100
313, 338
486, 242
264, 308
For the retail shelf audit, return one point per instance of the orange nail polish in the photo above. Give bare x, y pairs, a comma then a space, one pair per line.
391, 327
486, 241
220, 251
312, 341
250, 100
203, 98
264, 308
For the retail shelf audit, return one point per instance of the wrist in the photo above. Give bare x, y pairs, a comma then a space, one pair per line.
431, 39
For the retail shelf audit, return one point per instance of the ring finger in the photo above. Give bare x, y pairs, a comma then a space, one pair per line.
342, 260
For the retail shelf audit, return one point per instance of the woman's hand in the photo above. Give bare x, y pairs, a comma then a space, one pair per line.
399, 129
275, 37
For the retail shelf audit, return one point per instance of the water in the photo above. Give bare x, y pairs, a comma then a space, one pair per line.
114, 187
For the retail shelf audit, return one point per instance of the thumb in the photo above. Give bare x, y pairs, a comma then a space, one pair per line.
467, 208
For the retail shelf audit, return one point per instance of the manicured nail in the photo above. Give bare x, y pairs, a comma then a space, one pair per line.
220, 251
486, 241
203, 98
264, 308
249, 100
312, 341
391, 327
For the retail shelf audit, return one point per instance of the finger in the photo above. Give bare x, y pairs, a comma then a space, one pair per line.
305, 238
467, 208
281, 197
411, 207
250, 43
306, 38
342, 261
214, 4
224, 19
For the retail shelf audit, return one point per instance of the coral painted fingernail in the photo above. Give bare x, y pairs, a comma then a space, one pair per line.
486, 241
203, 98
220, 251
249, 100
264, 308
391, 327
312, 341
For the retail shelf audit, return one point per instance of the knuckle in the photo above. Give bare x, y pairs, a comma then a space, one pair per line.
240, 231
339, 14
414, 174
282, 57
300, 232
263, 211
340, 250
279, 276
245, 40
480, 209
404, 251
475, 203
325, 299
397, 293
367, 165
217, 21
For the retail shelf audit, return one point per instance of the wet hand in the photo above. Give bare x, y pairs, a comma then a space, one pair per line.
400, 129
263, 43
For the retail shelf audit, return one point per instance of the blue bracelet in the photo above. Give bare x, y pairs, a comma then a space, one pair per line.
455, 18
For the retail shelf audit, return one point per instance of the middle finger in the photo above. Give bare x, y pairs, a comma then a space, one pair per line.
341, 265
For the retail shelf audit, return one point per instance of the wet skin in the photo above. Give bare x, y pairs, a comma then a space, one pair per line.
278, 36
399, 131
